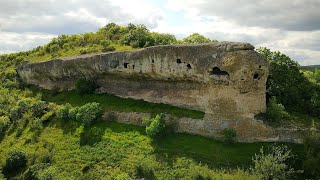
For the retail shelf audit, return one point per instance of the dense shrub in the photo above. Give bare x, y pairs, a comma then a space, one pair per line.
67, 112
274, 164
163, 39
63, 112
155, 126
105, 43
123, 176
311, 163
42, 171
4, 123
196, 38
275, 111
90, 136
138, 36
229, 136
144, 171
89, 113
73, 113
16, 160
84, 86
109, 48
37, 108
9, 78
36, 125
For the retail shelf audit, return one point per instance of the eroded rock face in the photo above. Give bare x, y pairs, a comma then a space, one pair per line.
225, 80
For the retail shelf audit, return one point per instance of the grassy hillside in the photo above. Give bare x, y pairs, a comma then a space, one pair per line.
108, 150
113, 103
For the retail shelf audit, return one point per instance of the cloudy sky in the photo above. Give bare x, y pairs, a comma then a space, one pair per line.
290, 26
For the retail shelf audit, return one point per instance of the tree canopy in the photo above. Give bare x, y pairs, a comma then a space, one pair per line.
288, 84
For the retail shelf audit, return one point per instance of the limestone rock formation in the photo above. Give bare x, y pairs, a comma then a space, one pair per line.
225, 80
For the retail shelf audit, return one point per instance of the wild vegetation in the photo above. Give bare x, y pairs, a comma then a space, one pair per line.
292, 94
42, 136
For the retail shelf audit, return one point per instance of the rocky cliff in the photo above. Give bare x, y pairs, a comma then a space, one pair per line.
225, 80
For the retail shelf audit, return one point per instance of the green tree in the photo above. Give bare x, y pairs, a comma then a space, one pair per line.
155, 126
138, 36
196, 38
274, 164
312, 156
16, 160
54, 48
105, 43
276, 111
314, 78
89, 113
287, 83
163, 39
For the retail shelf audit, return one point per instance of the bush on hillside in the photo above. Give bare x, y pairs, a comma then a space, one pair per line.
196, 38
4, 124
311, 163
36, 125
41, 171
109, 48
16, 160
155, 126
63, 112
89, 113
274, 164
84, 86
145, 171
275, 111
105, 43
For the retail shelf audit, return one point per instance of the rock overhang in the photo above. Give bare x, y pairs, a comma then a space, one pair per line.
226, 80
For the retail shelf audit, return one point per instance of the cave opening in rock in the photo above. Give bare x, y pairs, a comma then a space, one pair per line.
189, 66
216, 71
179, 61
256, 76
125, 65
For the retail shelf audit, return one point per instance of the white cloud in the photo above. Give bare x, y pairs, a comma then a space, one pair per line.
77, 16
284, 14
263, 23
25, 41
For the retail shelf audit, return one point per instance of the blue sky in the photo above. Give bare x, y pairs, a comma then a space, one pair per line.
289, 26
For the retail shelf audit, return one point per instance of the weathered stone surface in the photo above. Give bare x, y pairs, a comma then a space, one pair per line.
200, 127
225, 80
